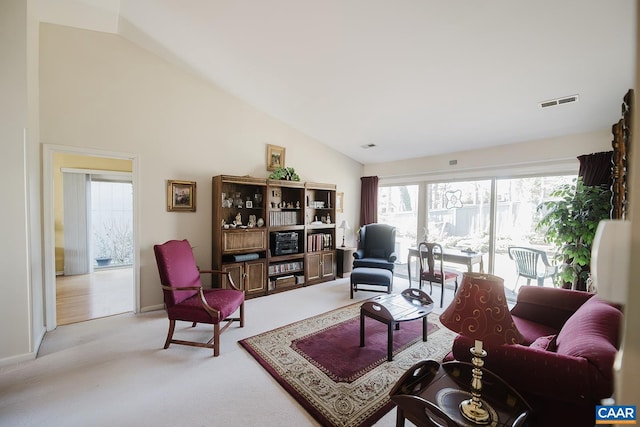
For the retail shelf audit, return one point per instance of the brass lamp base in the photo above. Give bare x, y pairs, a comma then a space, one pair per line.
473, 409
477, 414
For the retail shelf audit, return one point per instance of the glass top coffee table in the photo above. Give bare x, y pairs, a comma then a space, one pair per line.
411, 304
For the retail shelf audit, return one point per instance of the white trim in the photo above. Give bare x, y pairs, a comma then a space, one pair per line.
149, 308
511, 170
48, 151
101, 172
48, 222
16, 360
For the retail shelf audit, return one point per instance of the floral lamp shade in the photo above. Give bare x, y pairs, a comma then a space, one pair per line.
480, 311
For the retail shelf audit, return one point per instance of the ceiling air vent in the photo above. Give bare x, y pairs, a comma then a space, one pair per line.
558, 101
367, 146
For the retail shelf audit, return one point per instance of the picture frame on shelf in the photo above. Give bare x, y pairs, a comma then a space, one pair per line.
339, 202
275, 157
248, 204
181, 196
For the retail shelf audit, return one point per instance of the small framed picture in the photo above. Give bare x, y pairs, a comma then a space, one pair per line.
339, 202
248, 204
181, 196
275, 157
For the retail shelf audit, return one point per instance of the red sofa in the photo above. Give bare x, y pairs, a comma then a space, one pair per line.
564, 367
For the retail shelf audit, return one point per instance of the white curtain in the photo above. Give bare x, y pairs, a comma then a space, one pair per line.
77, 242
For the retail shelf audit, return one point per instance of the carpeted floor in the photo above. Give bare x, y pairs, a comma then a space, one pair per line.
320, 363
114, 371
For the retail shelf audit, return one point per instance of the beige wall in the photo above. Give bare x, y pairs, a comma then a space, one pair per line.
100, 91
62, 160
552, 155
628, 370
15, 302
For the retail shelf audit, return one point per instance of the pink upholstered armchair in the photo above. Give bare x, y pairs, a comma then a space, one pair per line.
187, 300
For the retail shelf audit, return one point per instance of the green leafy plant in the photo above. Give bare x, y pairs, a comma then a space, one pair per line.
569, 222
288, 174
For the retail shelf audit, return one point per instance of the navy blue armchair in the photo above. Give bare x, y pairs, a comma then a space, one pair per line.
376, 248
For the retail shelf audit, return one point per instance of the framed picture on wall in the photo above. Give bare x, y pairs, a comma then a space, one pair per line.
181, 196
339, 202
275, 157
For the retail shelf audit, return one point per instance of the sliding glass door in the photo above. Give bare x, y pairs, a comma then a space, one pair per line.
484, 216
459, 214
516, 220
398, 206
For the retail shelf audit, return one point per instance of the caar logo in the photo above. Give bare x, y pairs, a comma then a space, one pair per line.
622, 414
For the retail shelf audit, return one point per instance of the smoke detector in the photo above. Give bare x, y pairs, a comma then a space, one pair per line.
559, 101
367, 146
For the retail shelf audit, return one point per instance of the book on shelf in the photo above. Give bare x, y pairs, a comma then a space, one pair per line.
319, 242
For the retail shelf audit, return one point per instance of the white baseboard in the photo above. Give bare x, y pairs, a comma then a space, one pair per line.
16, 360
151, 308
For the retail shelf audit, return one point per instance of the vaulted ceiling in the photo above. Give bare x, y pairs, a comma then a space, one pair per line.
412, 77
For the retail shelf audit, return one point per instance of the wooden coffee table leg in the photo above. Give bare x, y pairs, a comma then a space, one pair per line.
424, 328
390, 341
361, 328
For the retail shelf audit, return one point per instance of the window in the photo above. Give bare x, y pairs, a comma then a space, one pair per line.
397, 206
112, 222
484, 215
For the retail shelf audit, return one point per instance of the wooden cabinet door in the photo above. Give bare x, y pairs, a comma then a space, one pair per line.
237, 272
313, 267
255, 276
328, 266
244, 240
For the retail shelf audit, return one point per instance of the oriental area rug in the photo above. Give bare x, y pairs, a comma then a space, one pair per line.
319, 362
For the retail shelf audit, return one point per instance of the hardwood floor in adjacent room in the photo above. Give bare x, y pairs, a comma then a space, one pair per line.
89, 296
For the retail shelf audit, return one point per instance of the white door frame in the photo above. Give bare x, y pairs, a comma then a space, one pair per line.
48, 151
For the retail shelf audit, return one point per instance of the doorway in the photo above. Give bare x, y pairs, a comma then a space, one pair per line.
92, 290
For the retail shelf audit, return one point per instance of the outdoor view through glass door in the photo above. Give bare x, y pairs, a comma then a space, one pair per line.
481, 216
111, 223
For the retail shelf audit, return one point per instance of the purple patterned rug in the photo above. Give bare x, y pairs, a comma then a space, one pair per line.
319, 361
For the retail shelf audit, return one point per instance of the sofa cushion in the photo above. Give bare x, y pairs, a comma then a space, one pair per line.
546, 343
590, 331
531, 330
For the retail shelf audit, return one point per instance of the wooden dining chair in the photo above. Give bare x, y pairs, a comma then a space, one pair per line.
432, 268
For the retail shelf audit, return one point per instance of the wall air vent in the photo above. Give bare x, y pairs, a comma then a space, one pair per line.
367, 146
558, 101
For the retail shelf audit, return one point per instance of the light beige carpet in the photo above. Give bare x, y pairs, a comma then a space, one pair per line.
114, 372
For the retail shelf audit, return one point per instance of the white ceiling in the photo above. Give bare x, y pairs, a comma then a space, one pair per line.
413, 77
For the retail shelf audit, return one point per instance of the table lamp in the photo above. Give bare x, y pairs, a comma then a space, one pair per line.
479, 311
344, 226
610, 260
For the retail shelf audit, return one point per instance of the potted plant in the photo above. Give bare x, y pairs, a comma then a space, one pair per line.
569, 222
283, 173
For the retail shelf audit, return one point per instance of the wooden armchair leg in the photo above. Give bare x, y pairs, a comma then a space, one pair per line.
216, 339
242, 315
172, 326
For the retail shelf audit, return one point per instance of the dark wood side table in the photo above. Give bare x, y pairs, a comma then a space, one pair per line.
411, 304
344, 260
430, 390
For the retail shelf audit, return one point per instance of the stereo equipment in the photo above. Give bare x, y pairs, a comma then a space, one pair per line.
284, 243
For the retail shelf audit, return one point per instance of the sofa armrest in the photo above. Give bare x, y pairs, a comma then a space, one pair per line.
548, 306
541, 373
359, 254
392, 257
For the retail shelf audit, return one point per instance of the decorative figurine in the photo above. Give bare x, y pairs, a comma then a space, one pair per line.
238, 220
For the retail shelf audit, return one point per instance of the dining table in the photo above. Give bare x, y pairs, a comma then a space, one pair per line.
455, 256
